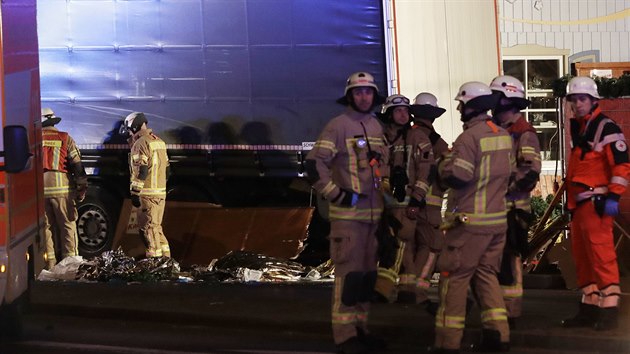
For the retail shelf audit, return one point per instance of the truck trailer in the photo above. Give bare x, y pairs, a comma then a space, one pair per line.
238, 89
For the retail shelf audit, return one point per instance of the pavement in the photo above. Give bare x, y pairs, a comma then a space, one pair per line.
305, 306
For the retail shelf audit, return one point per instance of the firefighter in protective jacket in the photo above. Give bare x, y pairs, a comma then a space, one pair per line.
597, 176
344, 167
65, 184
148, 165
526, 150
477, 171
410, 161
425, 111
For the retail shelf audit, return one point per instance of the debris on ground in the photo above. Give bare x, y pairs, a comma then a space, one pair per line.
236, 266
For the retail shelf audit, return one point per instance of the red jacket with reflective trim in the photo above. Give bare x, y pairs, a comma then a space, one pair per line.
592, 163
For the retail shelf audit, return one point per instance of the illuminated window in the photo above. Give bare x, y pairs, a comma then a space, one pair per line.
538, 74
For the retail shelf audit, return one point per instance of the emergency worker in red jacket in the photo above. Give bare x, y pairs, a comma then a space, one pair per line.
65, 184
597, 176
425, 110
477, 171
344, 167
410, 162
148, 166
526, 151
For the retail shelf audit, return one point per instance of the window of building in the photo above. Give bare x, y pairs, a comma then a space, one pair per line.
538, 74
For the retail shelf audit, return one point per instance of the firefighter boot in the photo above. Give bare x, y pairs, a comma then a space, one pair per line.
352, 346
586, 317
490, 343
371, 341
607, 319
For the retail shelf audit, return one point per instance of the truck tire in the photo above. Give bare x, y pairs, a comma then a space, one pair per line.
96, 224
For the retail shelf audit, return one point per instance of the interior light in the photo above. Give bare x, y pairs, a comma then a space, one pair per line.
3, 268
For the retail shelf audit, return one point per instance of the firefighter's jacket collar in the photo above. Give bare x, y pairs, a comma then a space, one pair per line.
475, 120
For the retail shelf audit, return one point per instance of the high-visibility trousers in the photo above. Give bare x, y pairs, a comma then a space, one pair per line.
353, 250
60, 228
150, 215
469, 259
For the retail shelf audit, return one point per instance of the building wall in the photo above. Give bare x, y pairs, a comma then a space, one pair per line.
440, 45
581, 26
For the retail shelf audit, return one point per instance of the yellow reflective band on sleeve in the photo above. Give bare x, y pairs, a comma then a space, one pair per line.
407, 279
512, 291
433, 200
496, 314
153, 191
496, 143
461, 163
375, 141
328, 188
424, 146
341, 213
387, 273
52, 143
423, 186
482, 183
326, 145
137, 183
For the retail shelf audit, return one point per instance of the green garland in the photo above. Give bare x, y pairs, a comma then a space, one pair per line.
607, 88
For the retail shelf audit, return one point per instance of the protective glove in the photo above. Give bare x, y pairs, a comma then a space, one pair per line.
135, 200
414, 206
348, 198
81, 191
611, 207
605, 205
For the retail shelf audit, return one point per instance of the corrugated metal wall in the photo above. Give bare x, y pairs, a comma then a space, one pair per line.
443, 44
577, 25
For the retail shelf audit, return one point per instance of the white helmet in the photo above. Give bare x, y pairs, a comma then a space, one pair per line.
512, 89
47, 112
509, 85
49, 118
395, 100
360, 79
425, 106
426, 98
472, 90
476, 96
584, 85
132, 124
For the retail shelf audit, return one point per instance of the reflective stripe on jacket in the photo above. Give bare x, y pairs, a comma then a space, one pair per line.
599, 157
340, 156
478, 170
150, 151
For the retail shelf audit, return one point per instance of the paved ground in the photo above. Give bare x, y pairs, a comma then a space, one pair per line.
306, 307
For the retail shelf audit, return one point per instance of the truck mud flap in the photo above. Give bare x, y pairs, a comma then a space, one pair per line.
200, 232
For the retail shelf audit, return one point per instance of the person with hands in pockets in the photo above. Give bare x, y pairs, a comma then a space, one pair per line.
148, 164
344, 167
